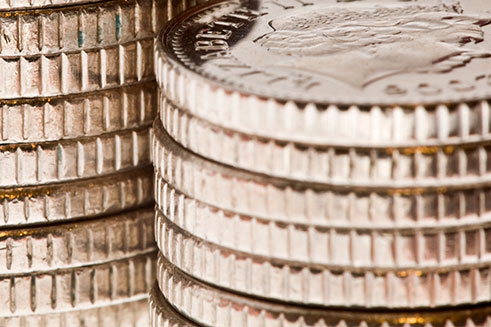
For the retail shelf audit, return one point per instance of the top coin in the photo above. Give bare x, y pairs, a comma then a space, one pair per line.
373, 52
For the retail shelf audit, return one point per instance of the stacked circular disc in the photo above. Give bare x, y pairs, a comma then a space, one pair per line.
324, 163
78, 97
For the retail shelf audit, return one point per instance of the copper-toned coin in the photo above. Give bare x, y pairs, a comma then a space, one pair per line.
328, 71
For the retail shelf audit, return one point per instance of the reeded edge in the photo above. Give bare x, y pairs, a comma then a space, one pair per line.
176, 203
302, 122
25, 161
143, 91
300, 282
257, 238
313, 163
117, 314
70, 300
163, 140
53, 247
63, 194
10, 6
71, 5
214, 306
162, 314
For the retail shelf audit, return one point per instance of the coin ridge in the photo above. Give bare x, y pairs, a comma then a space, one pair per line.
370, 248
76, 244
179, 204
216, 307
318, 164
108, 316
306, 123
74, 159
163, 140
163, 314
71, 117
254, 194
71, 293
291, 281
78, 26
68, 201
31, 80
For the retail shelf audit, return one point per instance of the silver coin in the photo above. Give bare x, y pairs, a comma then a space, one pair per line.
289, 280
162, 314
351, 246
42, 163
69, 117
76, 72
210, 306
125, 314
78, 288
76, 244
257, 66
327, 164
267, 197
87, 198
79, 27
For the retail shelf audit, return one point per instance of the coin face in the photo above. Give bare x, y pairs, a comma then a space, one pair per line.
327, 51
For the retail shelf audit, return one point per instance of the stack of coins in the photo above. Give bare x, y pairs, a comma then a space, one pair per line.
324, 163
78, 97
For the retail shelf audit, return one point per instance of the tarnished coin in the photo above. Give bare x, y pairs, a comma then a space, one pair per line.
56, 161
69, 117
334, 164
292, 280
306, 70
87, 198
83, 287
163, 314
76, 244
267, 197
132, 313
210, 306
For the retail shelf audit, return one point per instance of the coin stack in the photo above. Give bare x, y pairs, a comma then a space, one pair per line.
324, 163
78, 97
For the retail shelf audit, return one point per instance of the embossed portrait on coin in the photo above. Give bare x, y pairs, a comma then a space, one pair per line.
360, 45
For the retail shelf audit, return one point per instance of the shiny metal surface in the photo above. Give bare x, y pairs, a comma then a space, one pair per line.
302, 281
56, 161
84, 287
85, 114
351, 246
433, 163
162, 314
87, 198
78, 27
243, 82
210, 306
132, 313
76, 244
272, 198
